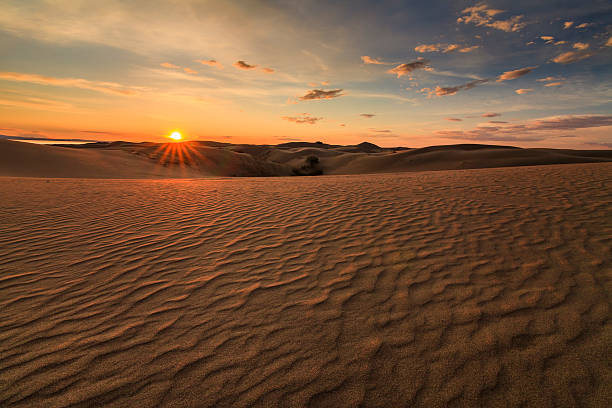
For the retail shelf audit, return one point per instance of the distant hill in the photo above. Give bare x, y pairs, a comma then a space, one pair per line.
213, 159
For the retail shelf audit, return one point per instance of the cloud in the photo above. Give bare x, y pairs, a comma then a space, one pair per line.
480, 15
549, 79
567, 24
534, 130
581, 46
517, 73
367, 115
554, 84
452, 90
584, 25
243, 65
490, 115
37, 103
609, 42
268, 70
469, 49
211, 62
303, 118
445, 48
406, 69
548, 39
370, 60
321, 94
523, 91
380, 130
110, 88
571, 56
169, 65
427, 48
47, 139
190, 71
454, 119
497, 121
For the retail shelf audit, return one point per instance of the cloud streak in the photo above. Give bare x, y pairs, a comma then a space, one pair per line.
452, 90
406, 69
110, 88
483, 16
321, 94
571, 57
369, 60
210, 63
517, 73
445, 48
304, 118
243, 65
534, 130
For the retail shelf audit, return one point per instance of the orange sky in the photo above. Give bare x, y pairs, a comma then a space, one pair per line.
265, 72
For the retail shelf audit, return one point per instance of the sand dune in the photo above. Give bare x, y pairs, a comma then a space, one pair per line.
206, 159
475, 288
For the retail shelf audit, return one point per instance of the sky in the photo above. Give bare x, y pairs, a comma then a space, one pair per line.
394, 73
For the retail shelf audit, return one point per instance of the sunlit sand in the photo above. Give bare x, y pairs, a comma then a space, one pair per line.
482, 287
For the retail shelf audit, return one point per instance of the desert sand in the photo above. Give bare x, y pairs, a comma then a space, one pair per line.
214, 159
487, 287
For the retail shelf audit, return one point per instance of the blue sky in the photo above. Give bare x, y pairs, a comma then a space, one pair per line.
404, 73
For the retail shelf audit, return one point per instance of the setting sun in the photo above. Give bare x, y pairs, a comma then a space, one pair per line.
175, 136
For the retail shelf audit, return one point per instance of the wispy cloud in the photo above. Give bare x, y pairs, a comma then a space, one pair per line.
268, 70
190, 71
523, 91
406, 69
369, 60
111, 88
454, 119
445, 48
303, 118
46, 139
553, 84
549, 79
321, 94
490, 115
211, 63
367, 115
533, 130
517, 73
482, 15
580, 46
568, 24
452, 90
169, 65
243, 65
571, 56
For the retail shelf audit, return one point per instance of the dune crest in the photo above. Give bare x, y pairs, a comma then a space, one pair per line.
216, 159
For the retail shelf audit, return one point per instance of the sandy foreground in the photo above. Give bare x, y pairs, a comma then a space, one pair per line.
483, 287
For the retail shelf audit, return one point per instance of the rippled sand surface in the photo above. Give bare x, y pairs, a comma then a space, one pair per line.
468, 288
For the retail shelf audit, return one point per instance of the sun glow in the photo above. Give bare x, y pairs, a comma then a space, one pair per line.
176, 136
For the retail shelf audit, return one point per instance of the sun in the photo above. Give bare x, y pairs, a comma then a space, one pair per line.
176, 136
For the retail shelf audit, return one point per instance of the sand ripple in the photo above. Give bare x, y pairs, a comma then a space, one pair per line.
469, 288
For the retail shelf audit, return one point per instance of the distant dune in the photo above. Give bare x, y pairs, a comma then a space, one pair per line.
206, 159
476, 288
